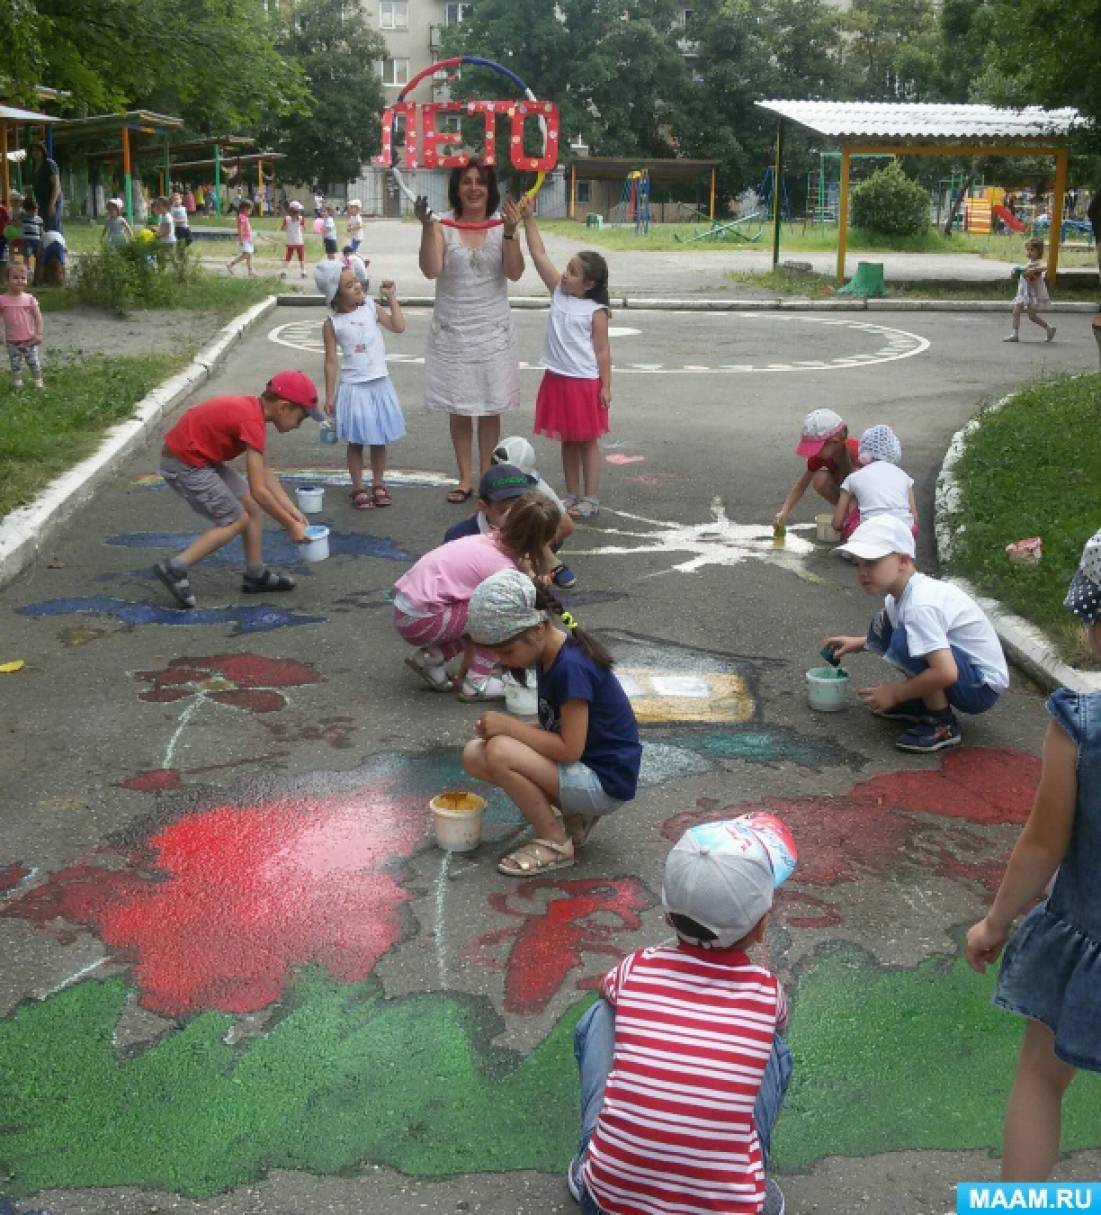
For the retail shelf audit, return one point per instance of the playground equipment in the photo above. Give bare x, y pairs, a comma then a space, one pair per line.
1008, 218
634, 202
824, 185
765, 194
748, 228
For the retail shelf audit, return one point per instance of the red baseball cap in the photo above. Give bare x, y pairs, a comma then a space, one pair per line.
299, 389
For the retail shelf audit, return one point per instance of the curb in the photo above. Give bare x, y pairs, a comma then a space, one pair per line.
1028, 646
25, 530
778, 304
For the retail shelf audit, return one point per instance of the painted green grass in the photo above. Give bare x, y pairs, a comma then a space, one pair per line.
43, 433
886, 1060
1032, 469
824, 286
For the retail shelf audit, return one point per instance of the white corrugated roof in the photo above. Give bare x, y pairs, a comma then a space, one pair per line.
13, 113
906, 120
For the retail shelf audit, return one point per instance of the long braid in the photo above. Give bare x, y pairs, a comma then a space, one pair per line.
585, 641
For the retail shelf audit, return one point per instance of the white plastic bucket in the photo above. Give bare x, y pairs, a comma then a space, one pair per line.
316, 547
825, 530
457, 820
521, 699
827, 689
310, 498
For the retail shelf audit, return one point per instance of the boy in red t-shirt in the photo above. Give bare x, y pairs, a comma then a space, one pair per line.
830, 455
195, 463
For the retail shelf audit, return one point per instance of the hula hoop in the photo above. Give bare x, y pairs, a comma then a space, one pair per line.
476, 61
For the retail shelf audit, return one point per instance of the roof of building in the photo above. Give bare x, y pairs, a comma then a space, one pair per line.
142, 121
913, 120
12, 113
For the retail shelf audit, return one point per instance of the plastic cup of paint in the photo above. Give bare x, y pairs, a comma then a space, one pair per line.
825, 530
457, 820
316, 547
521, 699
327, 433
827, 689
310, 498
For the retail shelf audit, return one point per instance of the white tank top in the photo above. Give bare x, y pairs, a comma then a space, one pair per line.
568, 346
359, 337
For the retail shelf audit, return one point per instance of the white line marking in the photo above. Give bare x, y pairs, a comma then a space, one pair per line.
441, 903
184, 718
84, 970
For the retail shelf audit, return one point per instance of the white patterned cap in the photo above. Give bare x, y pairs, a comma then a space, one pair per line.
819, 426
880, 443
502, 607
1084, 594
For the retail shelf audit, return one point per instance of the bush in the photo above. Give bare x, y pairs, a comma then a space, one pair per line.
890, 203
139, 274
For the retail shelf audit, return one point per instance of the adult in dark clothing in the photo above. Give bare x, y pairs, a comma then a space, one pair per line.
46, 183
1094, 213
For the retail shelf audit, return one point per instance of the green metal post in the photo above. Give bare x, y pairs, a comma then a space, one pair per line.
217, 180
777, 170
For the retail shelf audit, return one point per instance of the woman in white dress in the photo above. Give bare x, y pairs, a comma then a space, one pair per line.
470, 366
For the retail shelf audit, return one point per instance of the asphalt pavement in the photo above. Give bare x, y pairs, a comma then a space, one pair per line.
241, 978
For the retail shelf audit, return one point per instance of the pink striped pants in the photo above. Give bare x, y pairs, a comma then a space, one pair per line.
443, 631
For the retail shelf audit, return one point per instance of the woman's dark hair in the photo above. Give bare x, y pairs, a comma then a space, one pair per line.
529, 527
38, 146
488, 176
585, 642
596, 271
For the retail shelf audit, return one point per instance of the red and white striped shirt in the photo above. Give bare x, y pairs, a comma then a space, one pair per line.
693, 1033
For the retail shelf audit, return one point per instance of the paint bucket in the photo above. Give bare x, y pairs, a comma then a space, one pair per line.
310, 498
326, 432
826, 532
521, 699
316, 547
457, 820
827, 688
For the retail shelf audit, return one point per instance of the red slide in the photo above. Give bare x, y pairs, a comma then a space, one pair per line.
1008, 218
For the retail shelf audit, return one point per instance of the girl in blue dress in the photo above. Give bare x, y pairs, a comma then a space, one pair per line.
1051, 973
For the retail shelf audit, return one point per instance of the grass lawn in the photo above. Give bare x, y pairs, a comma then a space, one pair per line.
1032, 469
45, 432
82, 235
824, 286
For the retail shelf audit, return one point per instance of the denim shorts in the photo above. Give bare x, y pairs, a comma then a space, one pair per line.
213, 490
580, 792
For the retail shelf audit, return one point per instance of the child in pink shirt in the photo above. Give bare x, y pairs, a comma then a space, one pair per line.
431, 599
244, 239
21, 326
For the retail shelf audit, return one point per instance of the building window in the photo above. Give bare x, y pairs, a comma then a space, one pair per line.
584, 191
686, 16
393, 14
455, 13
395, 71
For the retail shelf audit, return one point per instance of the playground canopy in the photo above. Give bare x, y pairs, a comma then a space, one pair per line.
616, 168
927, 129
13, 117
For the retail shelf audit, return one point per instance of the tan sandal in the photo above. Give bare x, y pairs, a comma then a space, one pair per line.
579, 827
540, 856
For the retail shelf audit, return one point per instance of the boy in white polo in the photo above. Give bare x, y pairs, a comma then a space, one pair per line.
936, 634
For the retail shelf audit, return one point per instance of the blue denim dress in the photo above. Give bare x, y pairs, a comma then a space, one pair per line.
1052, 967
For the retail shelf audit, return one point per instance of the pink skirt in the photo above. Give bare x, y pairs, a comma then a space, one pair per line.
568, 409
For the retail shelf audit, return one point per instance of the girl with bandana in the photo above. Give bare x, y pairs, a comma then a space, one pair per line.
877, 486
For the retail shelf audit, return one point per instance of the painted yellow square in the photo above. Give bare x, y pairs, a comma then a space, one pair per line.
661, 696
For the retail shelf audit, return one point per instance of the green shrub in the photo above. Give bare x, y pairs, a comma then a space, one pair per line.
890, 203
140, 274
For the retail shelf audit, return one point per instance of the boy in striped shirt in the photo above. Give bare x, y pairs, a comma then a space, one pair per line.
683, 1069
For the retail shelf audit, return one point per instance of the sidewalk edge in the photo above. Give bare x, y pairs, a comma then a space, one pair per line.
26, 529
1028, 646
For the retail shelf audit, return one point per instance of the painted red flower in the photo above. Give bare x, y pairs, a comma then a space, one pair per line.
245, 681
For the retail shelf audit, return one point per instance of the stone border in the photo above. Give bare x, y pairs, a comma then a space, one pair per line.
1029, 647
27, 528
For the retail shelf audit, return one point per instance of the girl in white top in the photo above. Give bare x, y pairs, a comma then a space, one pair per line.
180, 223
365, 404
878, 486
1031, 293
576, 393
355, 224
116, 231
294, 228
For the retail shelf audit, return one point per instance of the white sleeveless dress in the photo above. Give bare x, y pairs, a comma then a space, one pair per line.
470, 364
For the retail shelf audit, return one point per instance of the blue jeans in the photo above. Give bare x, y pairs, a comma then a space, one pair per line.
970, 693
593, 1044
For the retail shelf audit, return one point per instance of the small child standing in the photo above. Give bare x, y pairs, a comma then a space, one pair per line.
365, 403
294, 226
195, 464
166, 229
584, 755
21, 327
575, 395
355, 224
328, 223
116, 231
432, 598
936, 634
181, 225
244, 238
682, 1060
830, 455
31, 223
1050, 971
878, 487
1032, 293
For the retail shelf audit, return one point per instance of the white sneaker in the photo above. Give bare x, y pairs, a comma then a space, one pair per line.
1012, 337
1050, 333
433, 673
490, 688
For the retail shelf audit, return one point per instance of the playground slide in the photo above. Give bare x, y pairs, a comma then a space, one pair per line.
1008, 218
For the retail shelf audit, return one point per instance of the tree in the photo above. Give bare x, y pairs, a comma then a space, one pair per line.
330, 140
891, 49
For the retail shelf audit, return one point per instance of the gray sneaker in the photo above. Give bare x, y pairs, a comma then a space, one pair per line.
574, 1181
178, 584
774, 1199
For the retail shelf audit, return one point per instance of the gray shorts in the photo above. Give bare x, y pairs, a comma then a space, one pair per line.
213, 491
580, 792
